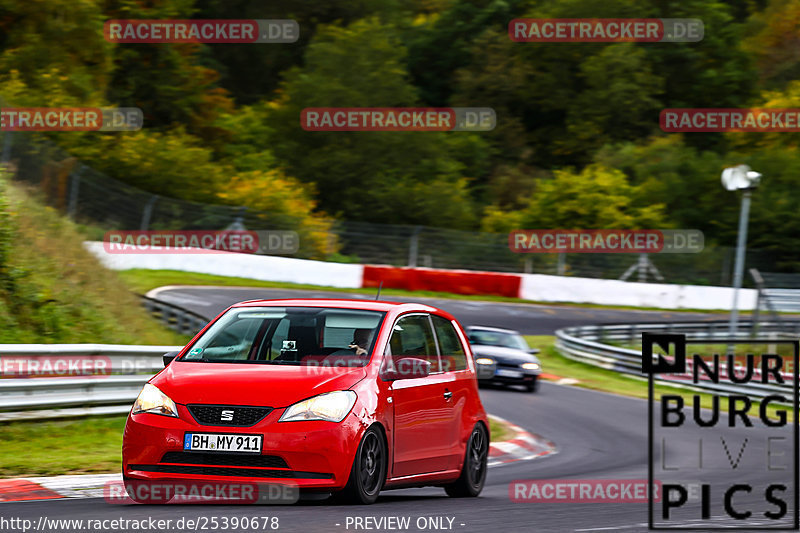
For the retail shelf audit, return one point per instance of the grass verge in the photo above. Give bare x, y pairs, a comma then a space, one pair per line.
54, 291
40, 448
499, 430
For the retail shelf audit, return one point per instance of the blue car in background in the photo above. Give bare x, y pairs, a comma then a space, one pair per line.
502, 356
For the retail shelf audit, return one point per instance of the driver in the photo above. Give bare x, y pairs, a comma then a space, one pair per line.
361, 338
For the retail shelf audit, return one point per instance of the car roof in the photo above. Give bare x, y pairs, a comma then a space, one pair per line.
341, 303
492, 328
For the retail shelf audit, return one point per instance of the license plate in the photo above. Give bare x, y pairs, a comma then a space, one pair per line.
502, 372
221, 442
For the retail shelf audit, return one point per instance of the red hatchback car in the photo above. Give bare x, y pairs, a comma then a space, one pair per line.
341, 396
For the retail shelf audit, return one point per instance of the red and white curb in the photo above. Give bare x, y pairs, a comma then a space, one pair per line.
50, 488
522, 446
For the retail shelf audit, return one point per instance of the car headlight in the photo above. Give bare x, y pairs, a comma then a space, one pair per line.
484, 361
152, 400
531, 366
331, 406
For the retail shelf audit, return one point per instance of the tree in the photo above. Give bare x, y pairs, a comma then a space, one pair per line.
56, 50
252, 72
441, 44
285, 203
775, 43
682, 178
171, 83
621, 95
595, 198
687, 182
371, 176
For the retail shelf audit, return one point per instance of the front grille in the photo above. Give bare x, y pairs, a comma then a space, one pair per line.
231, 472
212, 415
514, 366
199, 458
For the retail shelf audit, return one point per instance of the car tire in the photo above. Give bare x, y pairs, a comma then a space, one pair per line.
473, 474
368, 472
533, 386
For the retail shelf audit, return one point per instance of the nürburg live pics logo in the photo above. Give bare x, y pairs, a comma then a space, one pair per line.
722, 433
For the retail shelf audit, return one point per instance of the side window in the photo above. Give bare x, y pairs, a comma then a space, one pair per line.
453, 356
412, 336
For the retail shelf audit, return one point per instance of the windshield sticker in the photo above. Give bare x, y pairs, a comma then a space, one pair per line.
290, 345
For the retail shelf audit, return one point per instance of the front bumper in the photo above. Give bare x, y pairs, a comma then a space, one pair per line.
308, 454
489, 374
524, 380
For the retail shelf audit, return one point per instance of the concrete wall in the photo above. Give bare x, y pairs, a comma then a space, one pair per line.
613, 292
537, 287
261, 267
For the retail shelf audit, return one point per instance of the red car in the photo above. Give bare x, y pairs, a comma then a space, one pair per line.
341, 396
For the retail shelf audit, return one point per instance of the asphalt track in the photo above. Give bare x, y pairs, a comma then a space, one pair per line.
598, 435
530, 319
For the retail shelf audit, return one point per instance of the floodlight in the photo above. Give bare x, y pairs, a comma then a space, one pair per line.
739, 178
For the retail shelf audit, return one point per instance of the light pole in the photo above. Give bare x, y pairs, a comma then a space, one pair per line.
740, 178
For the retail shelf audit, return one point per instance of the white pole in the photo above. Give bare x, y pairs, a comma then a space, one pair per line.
741, 244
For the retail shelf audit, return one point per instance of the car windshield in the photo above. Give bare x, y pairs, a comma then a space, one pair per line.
313, 336
498, 338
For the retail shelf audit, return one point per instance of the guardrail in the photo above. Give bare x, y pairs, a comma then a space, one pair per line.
177, 318
588, 344
125, 370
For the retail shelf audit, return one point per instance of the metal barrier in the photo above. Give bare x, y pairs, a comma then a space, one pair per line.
129, 367
589, 344
177, 318
126, 369
772, 298
62, 393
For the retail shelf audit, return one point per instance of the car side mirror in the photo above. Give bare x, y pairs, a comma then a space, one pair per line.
534, 351
406, 368
168, 357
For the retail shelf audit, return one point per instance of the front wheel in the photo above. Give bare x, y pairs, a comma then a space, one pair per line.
533, 385
369, 470
473, 473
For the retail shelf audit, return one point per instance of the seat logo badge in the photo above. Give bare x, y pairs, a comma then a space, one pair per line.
226, 416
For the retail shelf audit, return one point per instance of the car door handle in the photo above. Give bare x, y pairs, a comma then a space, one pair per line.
448, 395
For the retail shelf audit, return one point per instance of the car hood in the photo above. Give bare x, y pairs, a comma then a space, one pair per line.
251, 384
504, 355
